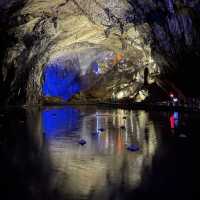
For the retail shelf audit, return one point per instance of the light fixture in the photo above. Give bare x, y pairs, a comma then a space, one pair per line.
175, 99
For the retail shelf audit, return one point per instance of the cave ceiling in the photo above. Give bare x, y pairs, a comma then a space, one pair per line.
121, 38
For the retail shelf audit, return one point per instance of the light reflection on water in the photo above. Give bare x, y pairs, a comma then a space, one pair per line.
103, 164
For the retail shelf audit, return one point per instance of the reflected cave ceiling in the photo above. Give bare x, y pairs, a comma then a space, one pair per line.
97, 48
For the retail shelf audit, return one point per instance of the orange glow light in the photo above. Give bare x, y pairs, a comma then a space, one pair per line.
119, 56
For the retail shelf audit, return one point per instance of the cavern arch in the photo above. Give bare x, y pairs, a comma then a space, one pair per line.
105, 45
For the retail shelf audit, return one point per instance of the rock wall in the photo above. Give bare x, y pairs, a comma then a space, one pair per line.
162, 36
175, 32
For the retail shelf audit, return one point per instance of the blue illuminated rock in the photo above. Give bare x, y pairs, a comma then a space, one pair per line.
61, 80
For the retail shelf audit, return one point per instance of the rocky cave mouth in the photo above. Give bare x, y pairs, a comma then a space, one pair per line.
96, 50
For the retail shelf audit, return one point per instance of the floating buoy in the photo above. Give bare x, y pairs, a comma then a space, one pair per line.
101, 129
82, 142
133, 147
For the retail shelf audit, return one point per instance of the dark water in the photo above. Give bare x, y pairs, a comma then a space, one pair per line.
41, 157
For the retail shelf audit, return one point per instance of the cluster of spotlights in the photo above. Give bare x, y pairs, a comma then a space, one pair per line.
173, 98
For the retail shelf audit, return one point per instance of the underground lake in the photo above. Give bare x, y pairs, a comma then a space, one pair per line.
42, 158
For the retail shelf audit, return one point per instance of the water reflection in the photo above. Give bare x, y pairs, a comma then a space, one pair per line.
41, 157
174, 120
103, 164
59, 121
179, 125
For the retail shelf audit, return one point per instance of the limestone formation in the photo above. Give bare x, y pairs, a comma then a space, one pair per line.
105, 44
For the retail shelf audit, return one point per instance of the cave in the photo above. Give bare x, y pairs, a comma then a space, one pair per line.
106, 74
162, 36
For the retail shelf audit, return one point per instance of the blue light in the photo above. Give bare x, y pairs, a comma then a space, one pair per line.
95, 67
60, 81
176, 119
57, 121
176, 115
